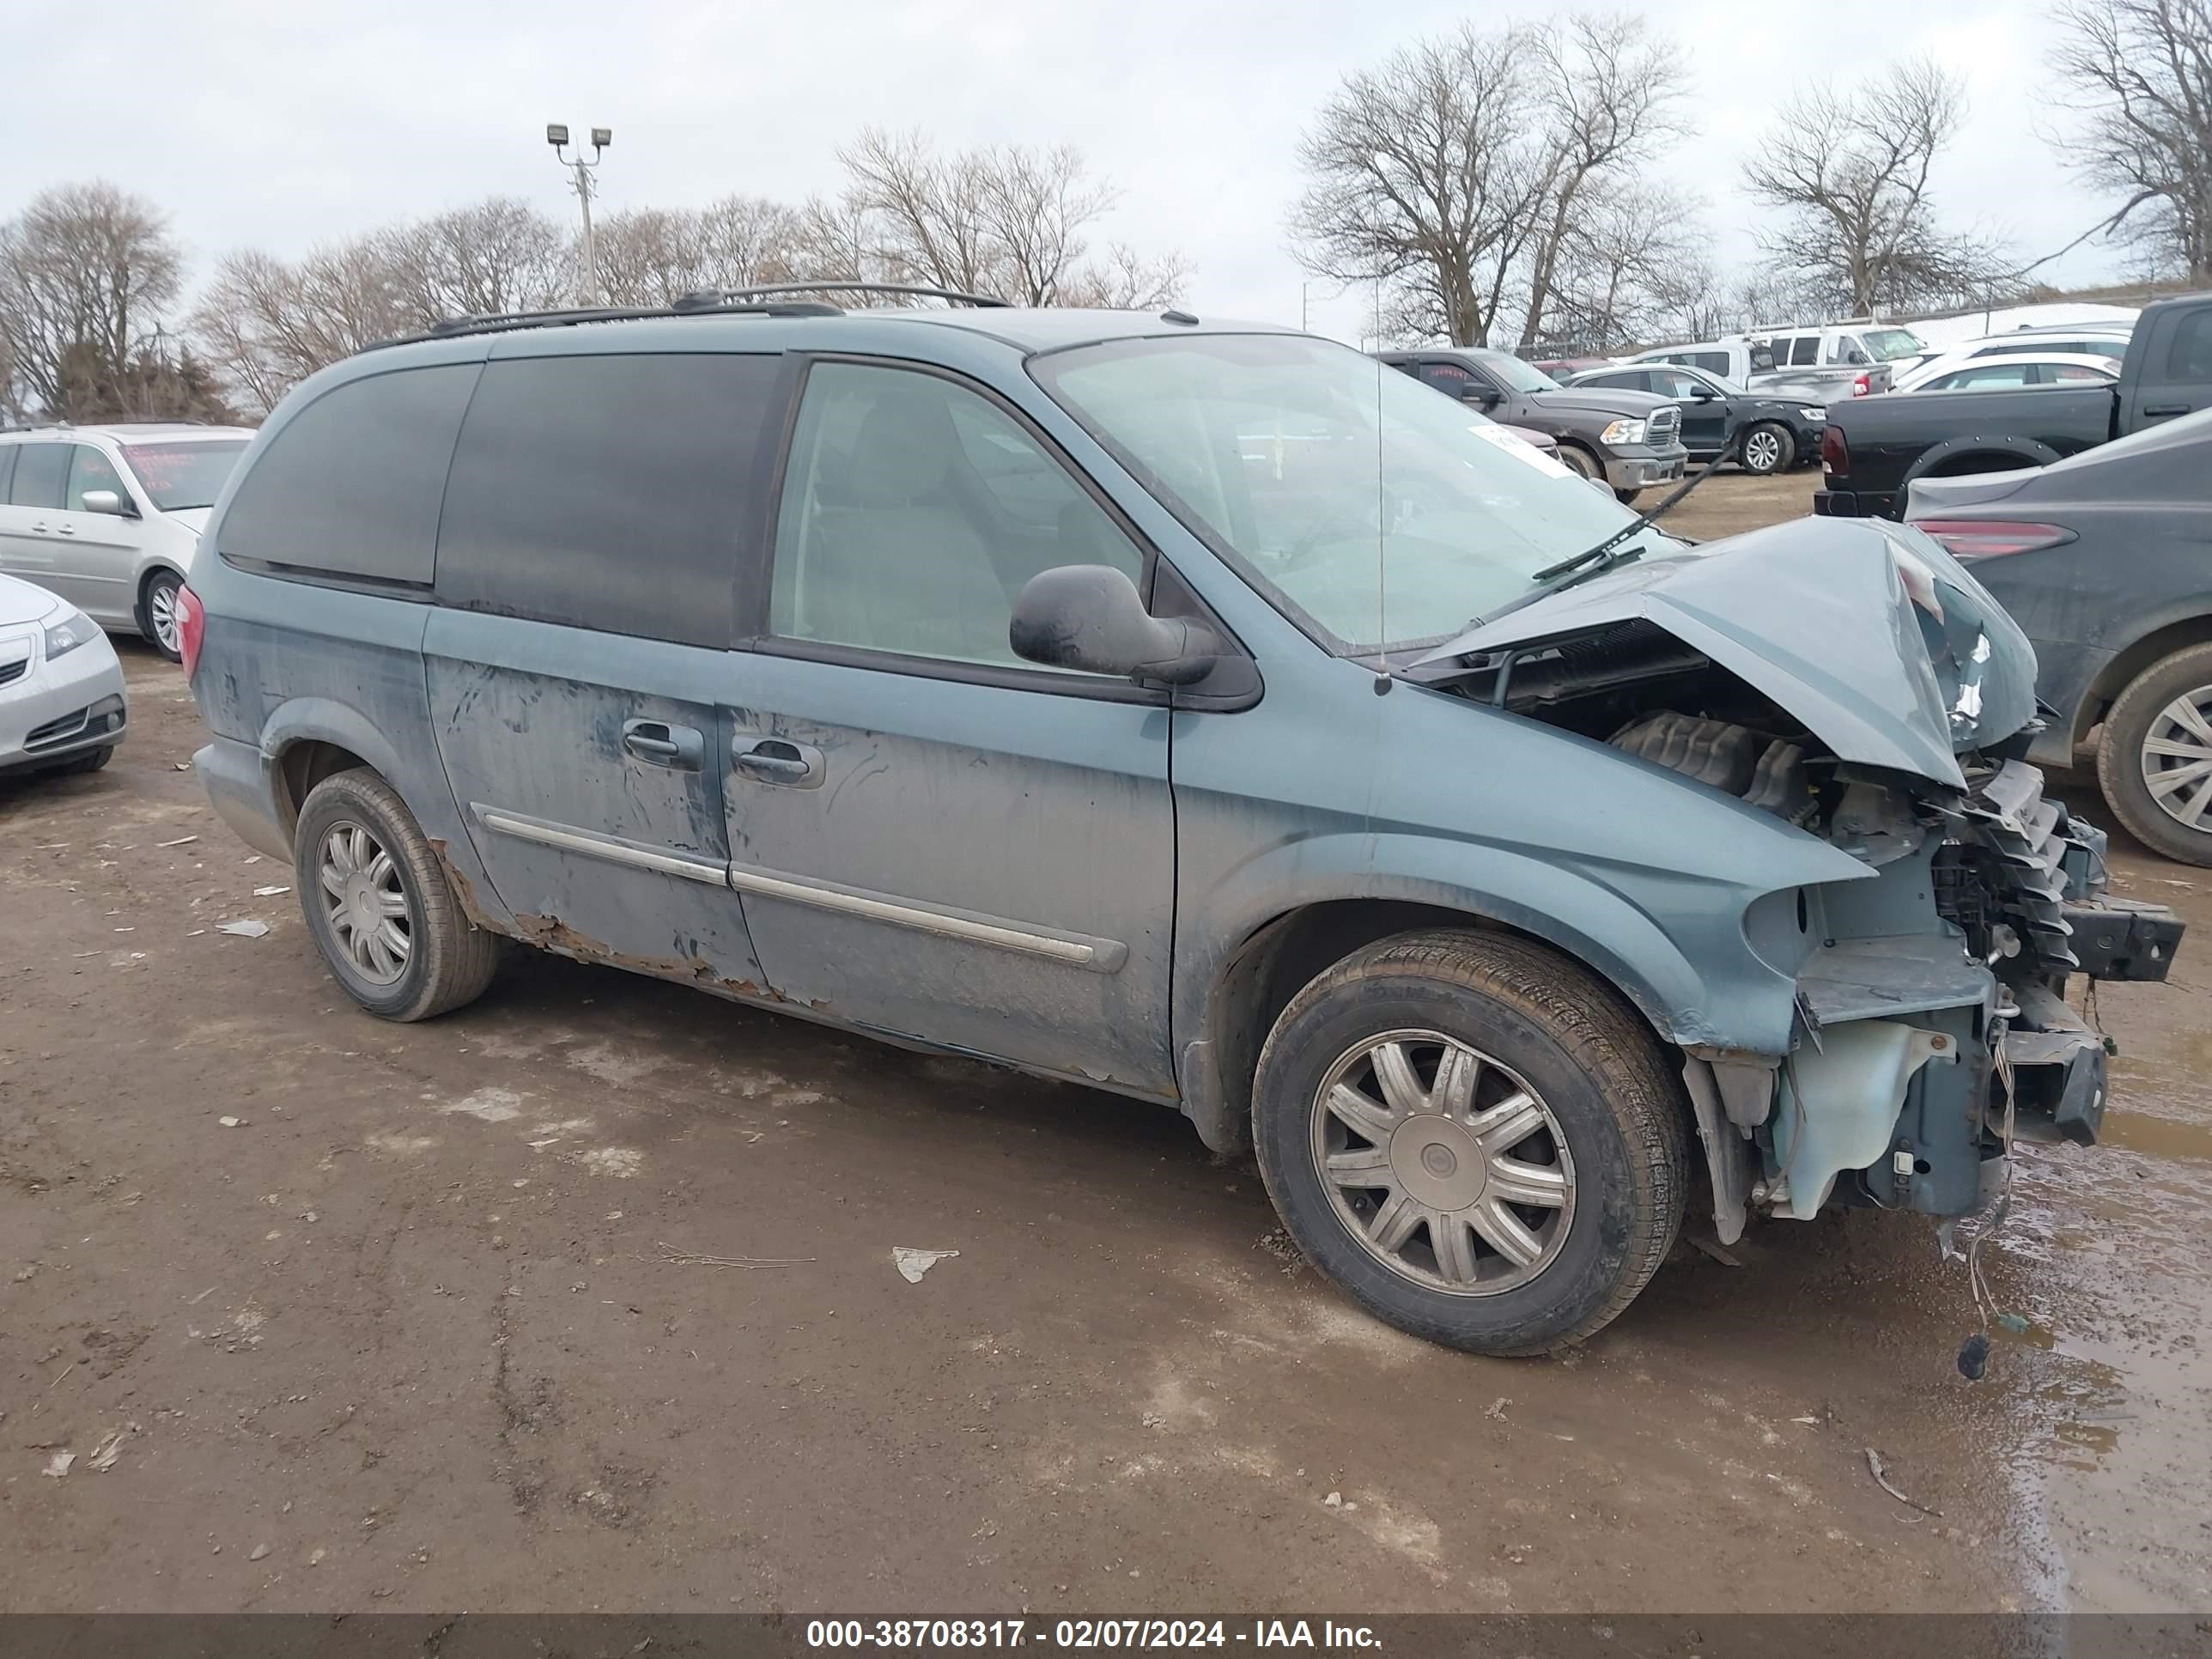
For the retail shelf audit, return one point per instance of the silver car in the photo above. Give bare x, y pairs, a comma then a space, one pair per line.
62, 704
109, 517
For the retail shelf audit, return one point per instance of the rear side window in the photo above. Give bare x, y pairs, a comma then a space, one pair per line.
7, 467
350, 484
1713, 363
1804, 349
608, 492
2189, 360
41, 474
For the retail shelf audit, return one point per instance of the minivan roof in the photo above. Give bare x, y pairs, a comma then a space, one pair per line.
1028, 328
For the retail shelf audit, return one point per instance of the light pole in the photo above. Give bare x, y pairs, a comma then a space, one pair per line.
557, 136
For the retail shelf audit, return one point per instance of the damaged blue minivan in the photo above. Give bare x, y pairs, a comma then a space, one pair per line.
1200, 711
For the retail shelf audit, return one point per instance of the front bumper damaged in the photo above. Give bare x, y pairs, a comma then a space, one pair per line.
1934, 1001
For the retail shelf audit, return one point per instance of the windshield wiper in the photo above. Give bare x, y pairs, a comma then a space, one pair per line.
1609, 554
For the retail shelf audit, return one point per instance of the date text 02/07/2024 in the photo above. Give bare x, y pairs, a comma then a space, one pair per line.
937, 1634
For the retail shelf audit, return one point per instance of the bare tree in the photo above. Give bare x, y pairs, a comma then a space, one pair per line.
266, 325
1422, 175
1611, 97
1125, 280
1008, 221
494, 256
1852, 172
2141, 70
1631, 259
85, 271
650, 256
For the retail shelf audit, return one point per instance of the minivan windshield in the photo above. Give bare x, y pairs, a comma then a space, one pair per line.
1375, 509
180, 476
1887, 345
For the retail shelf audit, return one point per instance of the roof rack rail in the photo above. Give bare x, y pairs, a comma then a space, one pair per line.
708, 298
448, 328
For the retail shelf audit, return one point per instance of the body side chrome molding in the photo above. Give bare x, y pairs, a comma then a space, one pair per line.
1097, 956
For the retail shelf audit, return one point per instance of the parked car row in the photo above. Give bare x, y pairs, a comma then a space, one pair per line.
109, 517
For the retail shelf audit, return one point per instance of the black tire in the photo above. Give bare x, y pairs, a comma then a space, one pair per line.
91, 761
160, 591
1625, 496
2120, 760
1581, 461
1767, 447
1568, 1038
448, 961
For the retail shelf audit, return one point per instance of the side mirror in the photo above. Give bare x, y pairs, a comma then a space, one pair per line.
1479, 393
107, 502
1090, 617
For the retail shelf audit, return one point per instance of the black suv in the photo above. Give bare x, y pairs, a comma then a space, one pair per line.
1629, 440
1777, 432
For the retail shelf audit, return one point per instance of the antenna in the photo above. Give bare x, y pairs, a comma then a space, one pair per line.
1382, 529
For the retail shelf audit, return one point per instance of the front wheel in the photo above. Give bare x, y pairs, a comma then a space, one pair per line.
378, 905
1474, 1138
2154, 760
162, 625
1580, 462
1768, 448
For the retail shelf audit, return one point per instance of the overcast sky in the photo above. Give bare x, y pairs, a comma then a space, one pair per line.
280, 124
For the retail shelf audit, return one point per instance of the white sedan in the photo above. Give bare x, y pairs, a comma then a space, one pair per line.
2010, 371
62, 705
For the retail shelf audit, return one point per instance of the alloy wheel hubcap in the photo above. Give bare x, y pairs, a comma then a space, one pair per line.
366, 903
162, 608
2177, 758
1443, 1162
1762, 451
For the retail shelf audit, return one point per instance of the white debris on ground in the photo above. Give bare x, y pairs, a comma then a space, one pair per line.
913, 1264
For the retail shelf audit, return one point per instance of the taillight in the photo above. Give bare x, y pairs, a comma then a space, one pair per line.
1835, 453
192, 629
1991, 538
1861, 386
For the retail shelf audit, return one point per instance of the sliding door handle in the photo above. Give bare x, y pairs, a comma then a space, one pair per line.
679, 747
774, 760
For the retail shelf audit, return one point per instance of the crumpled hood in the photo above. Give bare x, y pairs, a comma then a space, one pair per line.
1867, 631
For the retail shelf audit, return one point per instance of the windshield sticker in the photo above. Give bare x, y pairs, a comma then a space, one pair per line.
1521, 449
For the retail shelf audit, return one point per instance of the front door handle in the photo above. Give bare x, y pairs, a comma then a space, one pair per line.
679, 747
2161, 411
775, 760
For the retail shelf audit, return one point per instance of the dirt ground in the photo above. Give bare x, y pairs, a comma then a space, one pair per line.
583, 1297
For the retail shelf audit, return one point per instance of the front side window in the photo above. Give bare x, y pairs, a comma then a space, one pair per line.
1713, 363
1889, 345
179, 477
41, 476
89, 470
1514, 374
1331, 483
914, 510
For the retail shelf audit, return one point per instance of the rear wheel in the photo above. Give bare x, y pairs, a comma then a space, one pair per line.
1768, 448
2155, 759
1474, 1138
378, 905
157, 609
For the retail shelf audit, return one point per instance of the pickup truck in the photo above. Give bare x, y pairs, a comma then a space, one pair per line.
1875, 447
